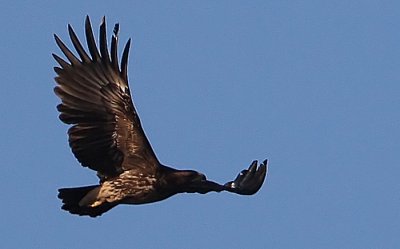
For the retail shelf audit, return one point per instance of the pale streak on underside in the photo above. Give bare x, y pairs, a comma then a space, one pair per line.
128, 185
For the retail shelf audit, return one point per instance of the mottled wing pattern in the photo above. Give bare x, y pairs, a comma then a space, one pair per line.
106, 134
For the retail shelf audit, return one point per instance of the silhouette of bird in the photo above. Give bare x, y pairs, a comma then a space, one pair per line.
106, 134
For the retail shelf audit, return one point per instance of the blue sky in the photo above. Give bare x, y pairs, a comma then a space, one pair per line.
314, 86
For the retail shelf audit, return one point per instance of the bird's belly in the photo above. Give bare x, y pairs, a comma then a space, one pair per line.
144, 197
130, 188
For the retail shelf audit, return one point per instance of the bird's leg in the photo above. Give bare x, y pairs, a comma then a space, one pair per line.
249, 181
204, 187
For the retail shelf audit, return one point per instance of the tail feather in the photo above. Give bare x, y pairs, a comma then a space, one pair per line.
71, 197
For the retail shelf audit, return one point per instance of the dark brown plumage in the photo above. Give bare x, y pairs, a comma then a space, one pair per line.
106, 134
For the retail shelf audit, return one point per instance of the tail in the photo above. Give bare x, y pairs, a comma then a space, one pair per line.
72, 201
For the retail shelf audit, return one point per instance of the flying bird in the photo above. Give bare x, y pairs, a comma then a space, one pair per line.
106, 134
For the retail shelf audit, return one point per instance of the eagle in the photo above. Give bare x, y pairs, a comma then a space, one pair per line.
106, 134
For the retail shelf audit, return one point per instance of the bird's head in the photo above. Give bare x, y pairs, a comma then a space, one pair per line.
182, 180
184, 177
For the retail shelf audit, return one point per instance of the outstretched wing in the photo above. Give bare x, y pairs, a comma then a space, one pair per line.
106, 134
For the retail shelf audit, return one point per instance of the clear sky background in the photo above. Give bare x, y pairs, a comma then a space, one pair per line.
314, 86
